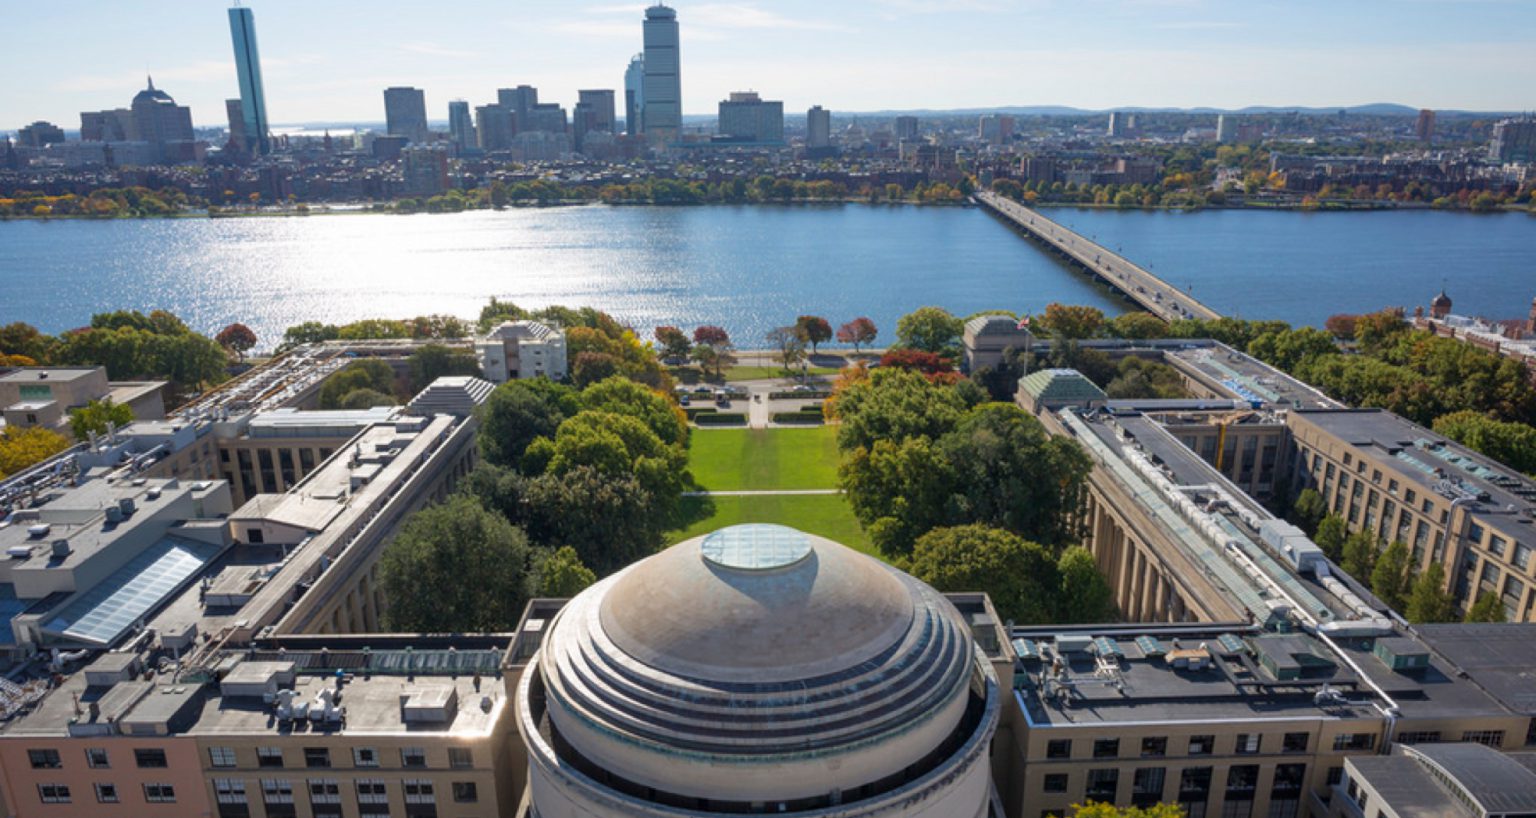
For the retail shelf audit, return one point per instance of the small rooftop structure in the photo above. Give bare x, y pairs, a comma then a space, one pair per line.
1051, 389
522, 349
457, 396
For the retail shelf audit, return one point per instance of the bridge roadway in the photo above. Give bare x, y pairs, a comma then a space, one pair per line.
1135, 282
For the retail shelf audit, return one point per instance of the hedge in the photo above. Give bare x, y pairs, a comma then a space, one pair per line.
721, 419
798, 417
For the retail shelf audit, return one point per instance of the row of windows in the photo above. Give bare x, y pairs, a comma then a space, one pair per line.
368, 791
1195, 788
106, 793
1157, 746
459, 758
96, 758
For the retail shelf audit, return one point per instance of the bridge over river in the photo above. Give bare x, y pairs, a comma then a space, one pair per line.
1121, 274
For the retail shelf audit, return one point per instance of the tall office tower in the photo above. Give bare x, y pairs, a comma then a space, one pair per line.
461, 129
546, 117
600, 106
746, 117
995, 129
818, 128
1424, 128
634, 95
495, 126
663, 111
520, 102
235, 111
906, 129
253, 98
166, 126
1514, 140
1226, 129
405, 113
1117, 124
425, 171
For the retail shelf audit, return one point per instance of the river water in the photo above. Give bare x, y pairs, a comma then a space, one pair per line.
748, 268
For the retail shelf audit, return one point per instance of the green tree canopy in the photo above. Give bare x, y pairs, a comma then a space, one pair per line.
95, 415
1510, 443
520, 411
1071, 321
561, 573
1308, 510
1020, 576
365, 399
1360, 553
655, 409
1330, 536
21, 448
1392, 577
1429, 602
1085, 593
364, 373
931, 329
423, 571
1487, 608
433, 361
893, 404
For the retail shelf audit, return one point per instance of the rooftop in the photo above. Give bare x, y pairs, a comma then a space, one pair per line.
1246, 377
1060, 386
50, 373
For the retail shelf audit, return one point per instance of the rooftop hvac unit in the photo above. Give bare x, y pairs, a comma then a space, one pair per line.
61, 548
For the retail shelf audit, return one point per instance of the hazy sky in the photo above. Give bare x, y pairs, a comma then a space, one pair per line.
329, 60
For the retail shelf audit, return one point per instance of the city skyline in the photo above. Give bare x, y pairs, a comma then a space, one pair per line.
330, 63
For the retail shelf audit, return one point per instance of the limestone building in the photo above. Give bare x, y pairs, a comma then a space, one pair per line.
522, 349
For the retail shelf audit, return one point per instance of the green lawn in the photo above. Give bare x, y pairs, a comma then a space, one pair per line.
825, 515
761, 459
762, 373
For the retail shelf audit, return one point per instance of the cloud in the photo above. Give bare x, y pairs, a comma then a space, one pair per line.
434, 50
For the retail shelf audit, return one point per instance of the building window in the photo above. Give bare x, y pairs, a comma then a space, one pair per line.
1248, 743
418, 791
1058, 748
221, 756
317, 757
96, 758
1054, 782
229, 790
1418, 737
1147, 786
159, 793
1242, 782
1335, 775
372, 797
106, 793
1354, 741
1202, 745
1522, 558
1285, 795
365, 757
1195, 790
1154, 747
53, 793
460, 758
1490, 738
150, 759
1475, 532
44, 759
1102, 785
324, 791
1106, 748
413, 757
269, 756
1294, 743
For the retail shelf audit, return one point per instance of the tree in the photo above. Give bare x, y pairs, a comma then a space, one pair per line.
610, 521
1099, 809
657, 410
1286, 349
789, 344
1392, 577
712, 349
1138, 326
21, 448
1487, 609
814, 329
858, 332
1071, 321
1375, 329
237, 338
930, 329
1429, 601
95, 416
423, 571
1330, 535
1341, 326
366, 373
1139, 378
365, 399
591, 367
518, 412
1513, 444
1085, 594
674, 342
309, 332
1020, 576
899, 489
893, 404
1360, 554
1308, 510
712, 336
561, 574
916, 360
432, 361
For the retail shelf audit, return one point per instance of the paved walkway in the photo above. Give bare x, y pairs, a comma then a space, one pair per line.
761, 493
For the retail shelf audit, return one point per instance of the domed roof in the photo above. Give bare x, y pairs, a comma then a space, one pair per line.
752, 647
1441, 300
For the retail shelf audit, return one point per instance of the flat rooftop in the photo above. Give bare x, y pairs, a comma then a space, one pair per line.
30, 375
1248, 378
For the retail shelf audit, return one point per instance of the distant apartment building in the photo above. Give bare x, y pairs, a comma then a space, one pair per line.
662, 109
1514, 140
234, 112
906, 128
1424, 126
425, 171
495, 126
39, 134
1226, 129
595, 112
522, 349
818, 128
461, 129
747, 117
519, 101
995, 129
544, 117
1119, 124
405, 113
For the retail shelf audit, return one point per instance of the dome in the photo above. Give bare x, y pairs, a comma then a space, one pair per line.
754, 665
1441, 300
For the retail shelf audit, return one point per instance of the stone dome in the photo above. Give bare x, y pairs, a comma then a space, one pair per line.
758, 664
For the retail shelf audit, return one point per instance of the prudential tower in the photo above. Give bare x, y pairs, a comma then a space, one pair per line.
663, 111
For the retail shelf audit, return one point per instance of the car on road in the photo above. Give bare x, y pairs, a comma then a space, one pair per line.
722, 397
684, 400
701, 389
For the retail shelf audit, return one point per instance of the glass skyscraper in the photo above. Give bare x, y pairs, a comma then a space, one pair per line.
634, 95
663, 97
253, 99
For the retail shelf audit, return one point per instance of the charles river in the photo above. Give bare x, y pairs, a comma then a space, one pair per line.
748, 268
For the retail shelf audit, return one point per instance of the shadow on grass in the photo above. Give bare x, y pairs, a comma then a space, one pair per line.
694, 510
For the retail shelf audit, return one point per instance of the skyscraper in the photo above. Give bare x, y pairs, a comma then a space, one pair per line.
253, 99
663, 111
1424, 127
405, 113
747, 117
818, 128
520, 101
906, 128
495, 125
634, 95
460, 127
1226, 129
594, 112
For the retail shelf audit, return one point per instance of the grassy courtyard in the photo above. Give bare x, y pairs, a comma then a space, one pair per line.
763, 459
768, 460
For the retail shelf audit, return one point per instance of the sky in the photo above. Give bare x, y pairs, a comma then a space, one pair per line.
329, 60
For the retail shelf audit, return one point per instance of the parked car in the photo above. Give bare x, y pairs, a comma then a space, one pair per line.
722, 397
684, 400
